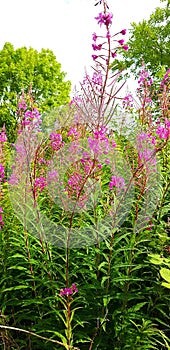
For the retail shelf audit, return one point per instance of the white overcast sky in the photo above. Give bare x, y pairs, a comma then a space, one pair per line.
65, 26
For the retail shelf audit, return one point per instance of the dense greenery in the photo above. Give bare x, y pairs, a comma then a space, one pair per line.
22, 69
84, 217
150, 41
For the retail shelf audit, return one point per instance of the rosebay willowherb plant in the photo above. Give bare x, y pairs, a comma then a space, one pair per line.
82, 210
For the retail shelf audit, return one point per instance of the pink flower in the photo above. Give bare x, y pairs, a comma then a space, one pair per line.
104, 18
72, 131
53, 176
22, 105
125, 47
128, 101
2, 172
56, 139
123, 31
117, 182
74, 288
113, 144
113, 54
96, 47
163, 132
3, 137
40, 183
94, 37
97, 78
121, 41
108, 36
167, 123
94, 57
13, 180
68, 291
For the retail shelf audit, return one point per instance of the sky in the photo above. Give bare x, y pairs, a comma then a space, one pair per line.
65, 27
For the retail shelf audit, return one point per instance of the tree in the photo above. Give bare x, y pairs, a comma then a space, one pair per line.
23, 67
150, 41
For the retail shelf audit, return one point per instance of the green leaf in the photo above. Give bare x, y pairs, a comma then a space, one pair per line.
15, 288
165, 273
167, 285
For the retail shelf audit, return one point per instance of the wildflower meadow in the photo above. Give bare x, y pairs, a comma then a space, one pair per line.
84, 212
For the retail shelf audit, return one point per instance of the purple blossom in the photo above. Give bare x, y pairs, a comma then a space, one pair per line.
74, 288
163, 132
123, 31
100, 134
121, 41
104, 18
53, 176
99, 145
72, 131
56, 139
22, 105
107, 161
97, 47
117, 182
76, 100
74, 180
13, 179
113, 54
128, 101
40, 183
3, 137
167, 123
125, 47
113, 144
94, 57
68, 291
94, 37
97, 78
31, 116
41, 161
144, 79
108, 36
2, 172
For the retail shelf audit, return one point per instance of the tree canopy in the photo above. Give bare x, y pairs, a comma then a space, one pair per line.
150, 41
23, 67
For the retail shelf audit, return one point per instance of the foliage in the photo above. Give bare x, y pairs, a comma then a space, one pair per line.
149, 41
84, 212
23, 68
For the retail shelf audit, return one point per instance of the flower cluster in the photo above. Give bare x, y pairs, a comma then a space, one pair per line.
68, 291
117, 181
2, 172
31, 115
74, 184
128, 101
40, 183
104, 18
73, 132
56, 141
163, 132
3, 137
144, 79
